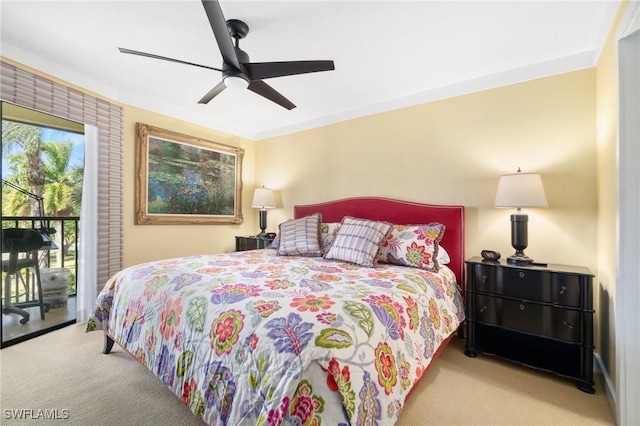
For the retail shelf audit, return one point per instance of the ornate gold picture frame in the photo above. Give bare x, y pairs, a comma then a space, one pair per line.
182, 179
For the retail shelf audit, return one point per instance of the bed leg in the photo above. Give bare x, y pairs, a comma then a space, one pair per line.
108, 344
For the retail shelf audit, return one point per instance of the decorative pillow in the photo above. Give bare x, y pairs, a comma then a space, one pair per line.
275, 243
301, 237
443, 256
328, 232
358, 241
413, 245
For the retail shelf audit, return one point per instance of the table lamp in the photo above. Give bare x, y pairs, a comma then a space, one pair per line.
520, 190
263, 200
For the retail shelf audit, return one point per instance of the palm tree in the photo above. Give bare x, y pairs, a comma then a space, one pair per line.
59, 184
60, 180
29, 139
15, 203
63, 190
23, 147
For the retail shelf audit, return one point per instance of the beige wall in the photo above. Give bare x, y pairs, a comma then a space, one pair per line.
151, 242
452, 152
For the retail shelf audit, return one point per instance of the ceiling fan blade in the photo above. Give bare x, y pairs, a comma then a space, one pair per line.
213, 93
221, 32
263, 89
263, 70
164, 58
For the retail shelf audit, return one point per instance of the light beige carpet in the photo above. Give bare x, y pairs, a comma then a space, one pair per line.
66, 373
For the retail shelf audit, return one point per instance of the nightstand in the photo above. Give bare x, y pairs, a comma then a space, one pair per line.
252, 243
541, 317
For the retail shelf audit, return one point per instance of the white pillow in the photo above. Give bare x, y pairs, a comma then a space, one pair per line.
443, 256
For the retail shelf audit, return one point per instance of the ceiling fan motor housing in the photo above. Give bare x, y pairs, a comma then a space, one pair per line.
231, 71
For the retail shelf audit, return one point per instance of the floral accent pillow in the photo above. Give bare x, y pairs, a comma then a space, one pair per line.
328, 232
358, 241
413, 245
301, 237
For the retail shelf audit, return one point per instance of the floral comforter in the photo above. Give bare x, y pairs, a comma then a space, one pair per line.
255, 338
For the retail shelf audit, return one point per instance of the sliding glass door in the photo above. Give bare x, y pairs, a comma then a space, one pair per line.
43, 162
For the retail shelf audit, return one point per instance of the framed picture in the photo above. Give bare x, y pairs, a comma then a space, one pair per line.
182, 179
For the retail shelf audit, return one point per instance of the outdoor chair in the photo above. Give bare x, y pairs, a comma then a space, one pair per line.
22, 245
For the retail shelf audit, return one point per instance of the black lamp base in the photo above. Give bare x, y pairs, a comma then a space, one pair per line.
516, 259
519, 240
263, 224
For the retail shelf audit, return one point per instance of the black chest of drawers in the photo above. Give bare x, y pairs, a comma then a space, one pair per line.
252, 243
541, 317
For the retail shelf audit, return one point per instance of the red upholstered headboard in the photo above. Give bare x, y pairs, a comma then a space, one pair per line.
402, 213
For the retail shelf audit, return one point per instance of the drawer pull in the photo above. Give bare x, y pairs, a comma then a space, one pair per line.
484, 279
567, 324
521, 307
521, 274
484, 308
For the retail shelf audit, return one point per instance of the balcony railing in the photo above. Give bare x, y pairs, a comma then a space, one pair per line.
65, 255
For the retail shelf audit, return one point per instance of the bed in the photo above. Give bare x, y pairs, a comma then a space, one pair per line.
313, 330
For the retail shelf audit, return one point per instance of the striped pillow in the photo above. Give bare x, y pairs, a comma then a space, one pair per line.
358, 241
328, 232
301, 237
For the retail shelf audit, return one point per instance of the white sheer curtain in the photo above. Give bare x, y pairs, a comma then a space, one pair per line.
87, 287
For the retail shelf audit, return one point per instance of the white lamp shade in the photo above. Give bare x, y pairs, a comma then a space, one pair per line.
520, 190
263, 199
236, 83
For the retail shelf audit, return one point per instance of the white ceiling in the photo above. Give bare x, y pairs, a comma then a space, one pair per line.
388, 54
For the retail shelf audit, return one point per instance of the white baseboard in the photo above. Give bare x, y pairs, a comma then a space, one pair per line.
607, 385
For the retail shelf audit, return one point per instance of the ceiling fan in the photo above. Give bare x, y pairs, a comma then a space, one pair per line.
237, 71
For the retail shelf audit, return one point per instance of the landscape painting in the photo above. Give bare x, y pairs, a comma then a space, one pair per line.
182, 179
